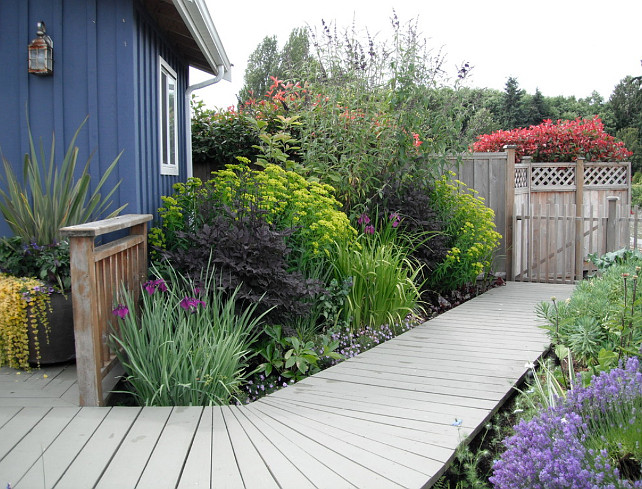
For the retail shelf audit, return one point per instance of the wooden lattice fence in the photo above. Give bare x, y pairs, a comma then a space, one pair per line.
528, 198
564, 212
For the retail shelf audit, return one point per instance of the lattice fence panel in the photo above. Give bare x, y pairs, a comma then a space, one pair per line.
521, 177
551, 176
605, 175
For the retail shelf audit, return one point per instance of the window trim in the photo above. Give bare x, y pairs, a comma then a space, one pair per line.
166, 75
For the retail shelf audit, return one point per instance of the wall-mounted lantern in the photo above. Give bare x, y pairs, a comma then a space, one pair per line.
41, 52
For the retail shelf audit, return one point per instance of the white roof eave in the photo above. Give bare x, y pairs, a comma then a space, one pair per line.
197, 19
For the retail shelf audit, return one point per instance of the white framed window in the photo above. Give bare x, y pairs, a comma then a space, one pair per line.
168, 119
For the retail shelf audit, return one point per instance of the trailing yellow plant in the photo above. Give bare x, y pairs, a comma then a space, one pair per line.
24, 303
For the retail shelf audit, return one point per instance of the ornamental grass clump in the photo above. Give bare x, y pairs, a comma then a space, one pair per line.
24, 304
593, 439
385, 279
189, 345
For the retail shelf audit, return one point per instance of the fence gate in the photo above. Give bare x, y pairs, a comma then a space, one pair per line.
551, 242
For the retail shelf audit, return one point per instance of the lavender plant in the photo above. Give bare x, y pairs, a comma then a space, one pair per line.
565, 446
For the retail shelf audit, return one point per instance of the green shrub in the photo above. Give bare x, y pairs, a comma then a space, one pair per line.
188, 346
220, 136
470, 227
636, 194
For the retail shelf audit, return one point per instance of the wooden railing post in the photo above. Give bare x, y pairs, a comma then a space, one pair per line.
509, 207
611, 224
579, 222
92, 289
87, 337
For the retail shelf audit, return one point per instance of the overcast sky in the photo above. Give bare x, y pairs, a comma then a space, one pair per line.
564, 47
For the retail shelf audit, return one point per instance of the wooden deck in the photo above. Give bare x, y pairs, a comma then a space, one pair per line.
49, 386
381, 420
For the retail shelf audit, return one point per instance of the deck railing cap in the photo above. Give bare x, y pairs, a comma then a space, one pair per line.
97, 228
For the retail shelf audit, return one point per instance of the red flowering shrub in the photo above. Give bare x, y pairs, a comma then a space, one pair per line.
558, 141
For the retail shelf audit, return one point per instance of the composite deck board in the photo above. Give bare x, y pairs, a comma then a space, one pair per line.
279, 465
361, 467
64, 449
225, 469
381, 419
89, 465
18, 426
320, 475
164, 468
254, 472
137, 447
393, 463
436, 436
31, 449
438, 386
445, 373
430, 441
438, 413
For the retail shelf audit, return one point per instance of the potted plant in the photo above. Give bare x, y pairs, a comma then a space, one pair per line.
48, 198
24, 307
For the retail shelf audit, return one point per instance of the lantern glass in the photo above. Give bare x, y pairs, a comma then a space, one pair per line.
41, 53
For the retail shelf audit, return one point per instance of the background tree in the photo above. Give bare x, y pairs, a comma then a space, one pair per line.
295, 58
262, 63
626, 106
512, 105
536, 108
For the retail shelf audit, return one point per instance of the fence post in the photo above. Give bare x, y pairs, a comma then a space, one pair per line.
611, 224
509, 208
579, 222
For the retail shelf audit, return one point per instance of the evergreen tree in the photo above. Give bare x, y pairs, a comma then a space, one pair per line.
626, 103
536, 109
512, 109
295, 60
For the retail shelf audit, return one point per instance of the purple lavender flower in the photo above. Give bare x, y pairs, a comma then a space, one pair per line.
549, 450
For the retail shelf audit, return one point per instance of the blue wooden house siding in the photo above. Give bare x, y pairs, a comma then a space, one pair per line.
150, 44
106, 66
